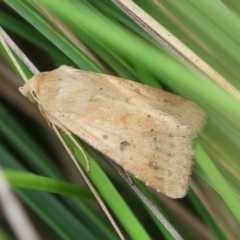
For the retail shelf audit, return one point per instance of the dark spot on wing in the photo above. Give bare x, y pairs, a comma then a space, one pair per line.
160, 179
123, 145
172, 145
137, 90
73, 76
105, 137
60, 114
153, 165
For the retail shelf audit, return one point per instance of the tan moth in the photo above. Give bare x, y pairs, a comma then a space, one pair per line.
148, 132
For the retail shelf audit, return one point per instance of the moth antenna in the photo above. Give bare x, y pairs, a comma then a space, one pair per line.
81, 150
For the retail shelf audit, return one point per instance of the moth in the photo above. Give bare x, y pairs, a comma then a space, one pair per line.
147, 131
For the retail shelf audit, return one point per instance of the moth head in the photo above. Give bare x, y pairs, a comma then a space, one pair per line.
30, 89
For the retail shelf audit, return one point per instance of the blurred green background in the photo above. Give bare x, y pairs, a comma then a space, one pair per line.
97, 36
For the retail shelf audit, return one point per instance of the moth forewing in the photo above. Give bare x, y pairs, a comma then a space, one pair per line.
148, 132
187, 112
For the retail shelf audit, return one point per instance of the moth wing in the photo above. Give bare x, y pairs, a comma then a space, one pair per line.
137, 94
148, 143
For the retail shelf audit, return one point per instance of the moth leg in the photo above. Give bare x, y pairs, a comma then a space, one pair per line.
80, 149
129, 178
120, 169
41, 109
49, 123
70, 136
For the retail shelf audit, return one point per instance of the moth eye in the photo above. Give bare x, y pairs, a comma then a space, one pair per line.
32, 97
